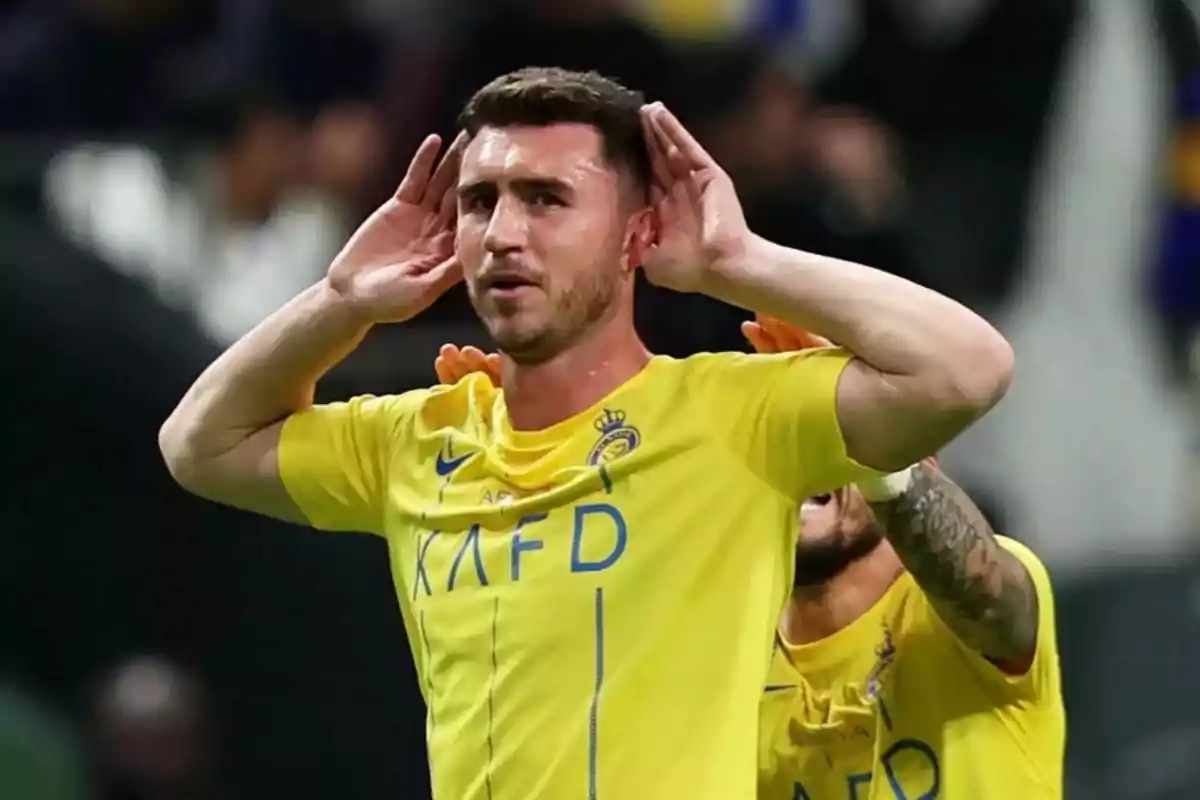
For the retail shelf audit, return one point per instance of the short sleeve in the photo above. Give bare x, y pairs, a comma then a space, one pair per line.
778, 414
334, 459
1041, 683
1042, 679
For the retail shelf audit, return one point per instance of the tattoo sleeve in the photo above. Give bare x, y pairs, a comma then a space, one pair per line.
979, 589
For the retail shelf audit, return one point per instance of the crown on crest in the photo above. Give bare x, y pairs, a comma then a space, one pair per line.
610, 421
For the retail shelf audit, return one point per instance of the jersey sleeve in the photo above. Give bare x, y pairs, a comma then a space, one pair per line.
335, 459
778, 415
1041, 681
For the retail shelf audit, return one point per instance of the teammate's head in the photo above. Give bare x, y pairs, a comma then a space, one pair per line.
837, 530
552, 207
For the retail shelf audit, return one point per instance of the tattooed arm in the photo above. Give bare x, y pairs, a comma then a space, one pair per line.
979, 589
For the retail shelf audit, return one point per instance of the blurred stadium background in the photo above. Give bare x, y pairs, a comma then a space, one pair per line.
172, 170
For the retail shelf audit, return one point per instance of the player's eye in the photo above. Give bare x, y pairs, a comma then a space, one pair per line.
478, 202
822, 499
546, 200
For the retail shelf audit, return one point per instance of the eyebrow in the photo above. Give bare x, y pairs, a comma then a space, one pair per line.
521, 184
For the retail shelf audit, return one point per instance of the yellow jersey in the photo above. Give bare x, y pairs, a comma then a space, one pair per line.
551, 581
895, 707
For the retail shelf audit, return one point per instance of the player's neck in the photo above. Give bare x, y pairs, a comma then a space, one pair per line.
819, 611
545, 394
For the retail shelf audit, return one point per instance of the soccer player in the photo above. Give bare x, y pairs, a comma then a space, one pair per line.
917, 655
558, 545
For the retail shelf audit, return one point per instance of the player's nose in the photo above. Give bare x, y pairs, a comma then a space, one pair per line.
508, 228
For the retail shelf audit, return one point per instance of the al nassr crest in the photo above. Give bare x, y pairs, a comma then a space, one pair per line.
616, 437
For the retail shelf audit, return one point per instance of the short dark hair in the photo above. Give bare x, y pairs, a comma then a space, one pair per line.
549, 95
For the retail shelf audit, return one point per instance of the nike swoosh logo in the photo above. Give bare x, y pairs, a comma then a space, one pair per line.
779, 687
445, 466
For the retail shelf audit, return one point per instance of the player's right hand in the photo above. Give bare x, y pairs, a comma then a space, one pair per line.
453, 364
772, 335
401, 258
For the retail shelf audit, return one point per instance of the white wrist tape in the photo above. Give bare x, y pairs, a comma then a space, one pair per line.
886, 487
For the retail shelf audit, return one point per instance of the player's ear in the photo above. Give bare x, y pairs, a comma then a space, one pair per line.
639, 236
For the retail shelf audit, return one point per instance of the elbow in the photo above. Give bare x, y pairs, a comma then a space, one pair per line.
992, 375
926, 410
980, 376
179, 455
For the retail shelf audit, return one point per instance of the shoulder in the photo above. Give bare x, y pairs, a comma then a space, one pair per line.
440, 406
378, 410
1043, 589
1040, 682
1029, 559
454, 405
475, 386
709, 363
716, 374
1038, 575
734, 371
690, 373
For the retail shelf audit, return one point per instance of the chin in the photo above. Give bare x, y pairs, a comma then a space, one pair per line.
821, 560
523, 344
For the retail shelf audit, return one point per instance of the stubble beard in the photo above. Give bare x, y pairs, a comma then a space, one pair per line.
574, 313
818, 563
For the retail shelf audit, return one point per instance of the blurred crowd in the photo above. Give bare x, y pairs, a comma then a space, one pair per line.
173, 170
220, 151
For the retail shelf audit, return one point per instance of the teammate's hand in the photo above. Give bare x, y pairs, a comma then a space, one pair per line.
402, 258
773, 335
699, 217
453, 364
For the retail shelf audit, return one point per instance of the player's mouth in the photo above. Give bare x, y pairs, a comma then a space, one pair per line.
508, 287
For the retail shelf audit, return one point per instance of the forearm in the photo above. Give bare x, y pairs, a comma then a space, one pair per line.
892, 324
980, 589
268, 374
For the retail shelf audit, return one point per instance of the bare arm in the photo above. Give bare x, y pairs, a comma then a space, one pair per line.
221, 441
978, 588
926, 366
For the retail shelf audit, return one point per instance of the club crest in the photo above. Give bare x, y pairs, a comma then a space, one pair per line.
616, 438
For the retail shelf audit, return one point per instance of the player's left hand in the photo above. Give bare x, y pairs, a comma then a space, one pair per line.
772, 335
454, 363
699, 217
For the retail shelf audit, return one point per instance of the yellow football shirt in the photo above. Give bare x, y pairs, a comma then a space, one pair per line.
551, 581
895, 707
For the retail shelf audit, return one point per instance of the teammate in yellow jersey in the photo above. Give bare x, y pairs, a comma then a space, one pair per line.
557, 544
917, 656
